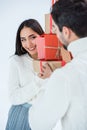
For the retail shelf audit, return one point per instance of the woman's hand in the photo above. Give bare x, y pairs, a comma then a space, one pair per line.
46, 71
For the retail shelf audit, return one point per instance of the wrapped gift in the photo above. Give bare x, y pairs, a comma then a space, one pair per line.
48, 47
37, 64
65, 54
48, 21
49, 24
66, 57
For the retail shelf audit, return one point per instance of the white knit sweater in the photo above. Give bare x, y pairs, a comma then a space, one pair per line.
65, 98
24, 84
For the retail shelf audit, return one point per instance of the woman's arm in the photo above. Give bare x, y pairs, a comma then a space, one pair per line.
22, 89
46, 71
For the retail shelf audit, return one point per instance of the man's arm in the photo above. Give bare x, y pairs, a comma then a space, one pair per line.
53, 104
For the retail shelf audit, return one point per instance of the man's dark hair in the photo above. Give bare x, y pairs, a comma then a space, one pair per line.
72, 14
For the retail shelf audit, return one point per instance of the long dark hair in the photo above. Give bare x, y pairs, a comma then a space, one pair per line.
35, 26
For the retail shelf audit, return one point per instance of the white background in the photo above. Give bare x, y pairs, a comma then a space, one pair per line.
12, 13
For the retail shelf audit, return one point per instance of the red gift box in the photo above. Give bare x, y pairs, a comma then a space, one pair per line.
48, 47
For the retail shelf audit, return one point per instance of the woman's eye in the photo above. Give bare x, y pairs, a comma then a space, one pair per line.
33, 37
22, 40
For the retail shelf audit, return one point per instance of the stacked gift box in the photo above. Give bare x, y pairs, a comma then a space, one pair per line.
48, 20
50, 49
53, 64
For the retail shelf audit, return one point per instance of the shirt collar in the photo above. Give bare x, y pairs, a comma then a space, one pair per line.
78, 46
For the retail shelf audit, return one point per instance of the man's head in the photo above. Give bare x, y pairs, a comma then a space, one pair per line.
70, 19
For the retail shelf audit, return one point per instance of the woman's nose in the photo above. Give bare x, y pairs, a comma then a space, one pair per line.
32, 42
29, 43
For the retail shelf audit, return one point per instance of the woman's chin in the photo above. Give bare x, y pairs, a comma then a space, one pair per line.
34, 55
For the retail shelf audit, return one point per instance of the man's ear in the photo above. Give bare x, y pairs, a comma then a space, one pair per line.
66, 32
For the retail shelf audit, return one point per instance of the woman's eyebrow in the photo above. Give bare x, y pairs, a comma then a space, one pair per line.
31, 35
28, 36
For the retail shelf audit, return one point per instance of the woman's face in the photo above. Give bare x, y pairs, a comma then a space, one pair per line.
27, 36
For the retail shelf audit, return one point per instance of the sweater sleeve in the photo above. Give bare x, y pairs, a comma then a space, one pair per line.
18, 93
52, 106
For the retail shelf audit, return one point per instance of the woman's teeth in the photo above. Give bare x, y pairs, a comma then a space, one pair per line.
31, 49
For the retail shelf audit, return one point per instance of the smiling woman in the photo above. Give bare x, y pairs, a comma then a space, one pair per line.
24, 84
11, 15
